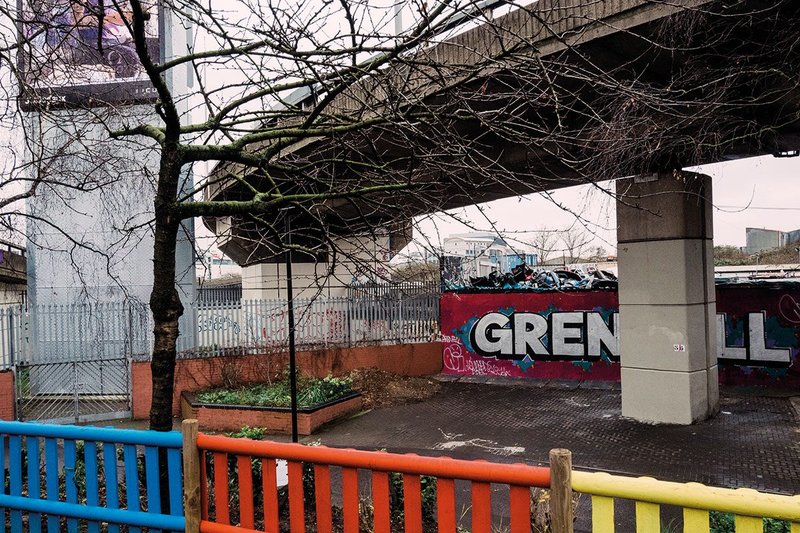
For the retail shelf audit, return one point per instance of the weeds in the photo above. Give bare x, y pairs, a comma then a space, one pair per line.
311, 392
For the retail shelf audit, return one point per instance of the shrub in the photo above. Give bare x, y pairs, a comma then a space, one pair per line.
310, 392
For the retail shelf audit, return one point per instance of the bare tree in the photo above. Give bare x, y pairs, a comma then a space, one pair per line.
544, 244
324, 115
574, 240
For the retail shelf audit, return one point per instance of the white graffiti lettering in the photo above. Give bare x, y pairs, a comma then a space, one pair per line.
754, 349
586, 336
574, 335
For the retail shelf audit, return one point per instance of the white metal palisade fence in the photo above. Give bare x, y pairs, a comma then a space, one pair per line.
251, 326
102, 331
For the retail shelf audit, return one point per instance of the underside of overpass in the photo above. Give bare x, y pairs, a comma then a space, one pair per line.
594, 92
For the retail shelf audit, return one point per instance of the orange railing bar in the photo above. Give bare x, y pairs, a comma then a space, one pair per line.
412, 503
270, 486
214, 527
444, 467
221, 500
350, 499
481, 507
246, 511
322, 496
520, 509
446, 504
380, 502
297, 514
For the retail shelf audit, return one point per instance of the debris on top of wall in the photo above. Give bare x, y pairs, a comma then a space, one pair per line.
524, 277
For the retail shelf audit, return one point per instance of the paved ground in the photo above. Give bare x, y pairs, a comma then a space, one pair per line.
754, 441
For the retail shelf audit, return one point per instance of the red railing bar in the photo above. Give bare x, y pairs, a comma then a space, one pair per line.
446, 505
350, 499
412, 503
380, 503
297, 515
481, 508
269, 482
203, 488
322, 496
481, 471
221, 487
213, 527
245, 472
520, 509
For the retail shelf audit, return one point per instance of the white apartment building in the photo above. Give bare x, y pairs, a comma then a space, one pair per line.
481, 253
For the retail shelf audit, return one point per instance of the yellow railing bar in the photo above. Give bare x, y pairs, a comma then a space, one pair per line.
744, 502
648, 517
695, 521
748, 524
602, 514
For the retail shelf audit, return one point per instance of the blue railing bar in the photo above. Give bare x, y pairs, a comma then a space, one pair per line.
3, 482
92, 485
70, 462
34, 482
51, 478
111, 477
174, 465
131, 480
15, 479
98, 514
151, 474
163, 439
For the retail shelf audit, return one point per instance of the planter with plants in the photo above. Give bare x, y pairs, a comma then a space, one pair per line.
268, 405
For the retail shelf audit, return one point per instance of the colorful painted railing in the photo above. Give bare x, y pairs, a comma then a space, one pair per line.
750, 507
88, 487
520, 478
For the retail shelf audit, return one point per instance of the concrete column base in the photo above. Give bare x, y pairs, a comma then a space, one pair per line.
666, 397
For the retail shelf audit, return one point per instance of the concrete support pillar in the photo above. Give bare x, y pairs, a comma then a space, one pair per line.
667, 298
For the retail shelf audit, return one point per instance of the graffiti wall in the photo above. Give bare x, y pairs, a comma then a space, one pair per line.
575, 335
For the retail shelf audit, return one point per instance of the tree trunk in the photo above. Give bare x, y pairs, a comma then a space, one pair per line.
165, 302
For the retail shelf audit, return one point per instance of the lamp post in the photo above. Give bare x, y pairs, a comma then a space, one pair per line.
289, 298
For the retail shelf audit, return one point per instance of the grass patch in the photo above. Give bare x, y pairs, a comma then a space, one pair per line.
310, 392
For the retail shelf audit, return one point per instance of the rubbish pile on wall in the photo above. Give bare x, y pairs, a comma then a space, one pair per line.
524, 277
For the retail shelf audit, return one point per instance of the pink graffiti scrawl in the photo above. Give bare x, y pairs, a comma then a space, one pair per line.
789, 309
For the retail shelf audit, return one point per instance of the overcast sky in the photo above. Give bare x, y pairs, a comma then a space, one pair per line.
756, 192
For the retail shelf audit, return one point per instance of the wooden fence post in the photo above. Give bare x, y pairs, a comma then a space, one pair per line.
191, 476
561, 513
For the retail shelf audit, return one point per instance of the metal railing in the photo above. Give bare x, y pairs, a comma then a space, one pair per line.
243, 453
91, 476
219, 293
750, 507
252, 326
399, 290
71, 478
46, 334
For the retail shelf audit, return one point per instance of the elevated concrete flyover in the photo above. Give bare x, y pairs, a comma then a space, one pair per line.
553, 94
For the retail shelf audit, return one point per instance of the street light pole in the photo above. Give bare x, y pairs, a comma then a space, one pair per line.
289, 298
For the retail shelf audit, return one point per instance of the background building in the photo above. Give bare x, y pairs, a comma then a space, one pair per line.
482, 253
761, 239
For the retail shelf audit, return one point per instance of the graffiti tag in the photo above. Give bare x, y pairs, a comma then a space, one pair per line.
789, 309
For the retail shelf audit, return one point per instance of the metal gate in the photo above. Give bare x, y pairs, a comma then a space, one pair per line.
72, 362
73, 391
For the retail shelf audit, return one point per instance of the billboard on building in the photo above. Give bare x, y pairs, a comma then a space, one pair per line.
80, 53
